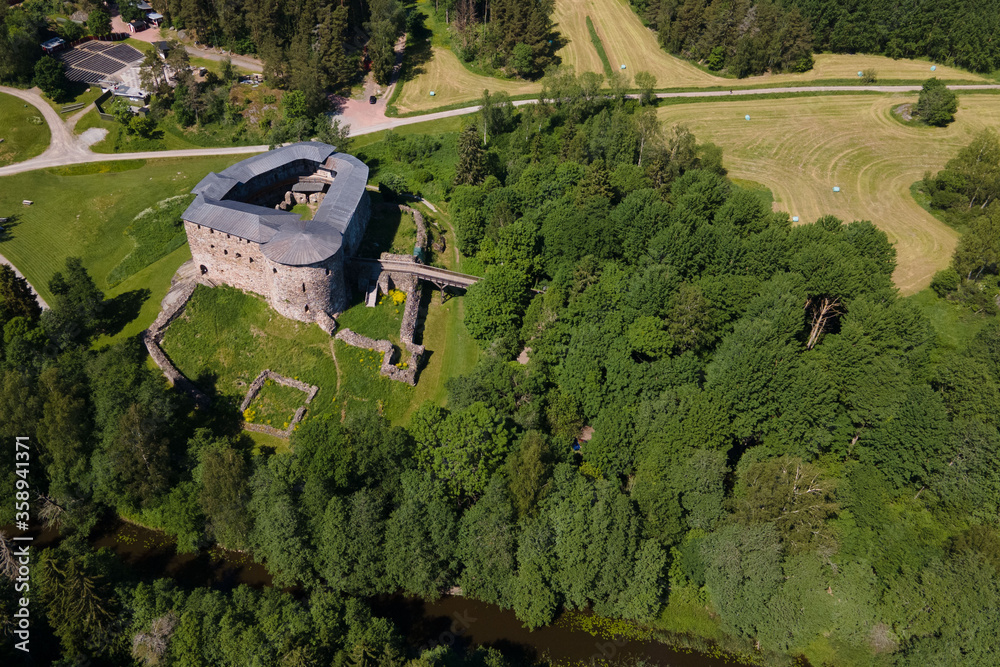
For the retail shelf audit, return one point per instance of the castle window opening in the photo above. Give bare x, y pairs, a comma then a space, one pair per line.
251, 260
307, 307
238, 255
274, 270
303, 287
225, 252
204, 269
328, 272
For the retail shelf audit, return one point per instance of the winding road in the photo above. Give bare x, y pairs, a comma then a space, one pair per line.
66, 148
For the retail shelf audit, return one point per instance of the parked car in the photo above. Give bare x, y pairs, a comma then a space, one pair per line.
372, 100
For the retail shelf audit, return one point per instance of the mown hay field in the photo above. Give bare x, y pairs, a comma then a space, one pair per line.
452, 82
628, 42
801, 148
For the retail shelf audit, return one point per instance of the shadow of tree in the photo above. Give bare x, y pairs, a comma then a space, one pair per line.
418, 48
7, 224
123, 309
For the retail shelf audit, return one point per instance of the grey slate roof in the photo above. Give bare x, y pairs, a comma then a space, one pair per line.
257, 223
284, 237
301, 242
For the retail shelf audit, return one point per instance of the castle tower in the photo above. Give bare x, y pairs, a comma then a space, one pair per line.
242, 233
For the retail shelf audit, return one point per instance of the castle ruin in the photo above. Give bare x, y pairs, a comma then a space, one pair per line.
242, 233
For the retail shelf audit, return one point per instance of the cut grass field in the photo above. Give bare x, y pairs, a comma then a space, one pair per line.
84, 211
801, 148
226, 337
23, 131
628, 42
452, 82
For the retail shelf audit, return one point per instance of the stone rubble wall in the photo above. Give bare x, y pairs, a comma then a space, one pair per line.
326, 323
258, 384
418, 219
409, 325
153, 336
406, 282
388, 350
265, 428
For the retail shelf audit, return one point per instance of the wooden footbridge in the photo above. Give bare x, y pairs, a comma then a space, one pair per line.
441, 278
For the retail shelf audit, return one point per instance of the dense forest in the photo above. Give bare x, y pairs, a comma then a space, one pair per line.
786, 456
753, 36
743, 37
510, 37
965, 194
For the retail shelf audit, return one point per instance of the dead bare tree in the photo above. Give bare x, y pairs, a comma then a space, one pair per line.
8, 564
822, 310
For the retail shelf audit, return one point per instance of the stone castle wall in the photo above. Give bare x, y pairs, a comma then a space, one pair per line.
355, 231
297, 292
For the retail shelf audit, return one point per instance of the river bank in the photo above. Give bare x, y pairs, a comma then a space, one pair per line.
452, 620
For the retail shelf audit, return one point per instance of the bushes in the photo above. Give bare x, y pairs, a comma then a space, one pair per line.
936, 105
50, 77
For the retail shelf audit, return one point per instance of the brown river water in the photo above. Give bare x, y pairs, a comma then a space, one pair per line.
453, 620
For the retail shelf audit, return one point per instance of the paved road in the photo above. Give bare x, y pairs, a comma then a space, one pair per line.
67, 149
43, 162
64, 144
389, 123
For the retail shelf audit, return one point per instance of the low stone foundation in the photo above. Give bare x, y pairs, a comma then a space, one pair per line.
255, 387
388, 350
173, 306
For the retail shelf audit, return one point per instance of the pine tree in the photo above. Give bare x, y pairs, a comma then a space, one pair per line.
471, 168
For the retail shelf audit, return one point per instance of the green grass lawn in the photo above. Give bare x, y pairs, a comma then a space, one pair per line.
275, 405
77, 93
303, 211
388, 230
168, 137
227, 337
439, 126
93, 119
23, 131
451, 350
85, 210
954, 323
381, 322
262, 440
